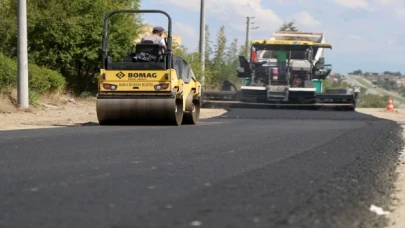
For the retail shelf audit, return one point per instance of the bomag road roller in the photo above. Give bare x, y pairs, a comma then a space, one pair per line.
150, 85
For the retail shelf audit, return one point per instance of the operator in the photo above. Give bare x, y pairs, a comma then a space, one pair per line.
226, 86
281, 55
156, 37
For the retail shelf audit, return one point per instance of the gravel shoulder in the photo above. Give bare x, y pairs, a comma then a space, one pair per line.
397, 215
67, 112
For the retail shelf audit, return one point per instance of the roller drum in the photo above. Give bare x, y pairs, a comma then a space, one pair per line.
139, 111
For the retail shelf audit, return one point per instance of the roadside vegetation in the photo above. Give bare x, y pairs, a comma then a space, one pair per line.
64, 38
366, 100
386, 83
63, 44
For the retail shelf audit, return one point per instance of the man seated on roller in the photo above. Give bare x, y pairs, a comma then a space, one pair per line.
156, 37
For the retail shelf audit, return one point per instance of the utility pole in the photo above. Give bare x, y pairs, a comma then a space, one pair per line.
247, 36
22, 94
248, 28
202, 42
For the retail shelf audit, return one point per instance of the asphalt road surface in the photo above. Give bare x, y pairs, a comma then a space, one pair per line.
249, 168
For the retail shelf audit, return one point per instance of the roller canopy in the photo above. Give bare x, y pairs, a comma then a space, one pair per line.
183, 69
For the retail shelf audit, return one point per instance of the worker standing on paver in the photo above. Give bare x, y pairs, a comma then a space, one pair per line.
227, 86
281, 55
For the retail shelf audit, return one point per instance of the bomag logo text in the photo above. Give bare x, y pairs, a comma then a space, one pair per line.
142, 75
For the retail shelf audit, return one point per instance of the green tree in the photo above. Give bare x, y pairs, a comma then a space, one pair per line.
243, 50
231, 54
357, 72
65, 35
288, 26
218, 62
232, 61
219, 68
209, 52
220, 46
8, 27
208, 43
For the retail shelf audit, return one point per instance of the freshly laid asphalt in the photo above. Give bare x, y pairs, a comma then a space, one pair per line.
248, 168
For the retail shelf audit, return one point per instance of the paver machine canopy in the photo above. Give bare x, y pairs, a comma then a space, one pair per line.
300, 62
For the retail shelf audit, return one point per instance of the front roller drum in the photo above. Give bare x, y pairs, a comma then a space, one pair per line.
139, 111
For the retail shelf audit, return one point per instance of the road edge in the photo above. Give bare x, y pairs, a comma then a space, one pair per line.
396, 218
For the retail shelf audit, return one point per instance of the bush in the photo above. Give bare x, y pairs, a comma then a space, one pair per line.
40, 79
8, 75
372, 101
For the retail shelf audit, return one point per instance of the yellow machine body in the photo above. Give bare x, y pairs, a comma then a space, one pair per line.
145, 96
141, 91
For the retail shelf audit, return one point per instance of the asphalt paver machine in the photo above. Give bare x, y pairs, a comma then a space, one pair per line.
296, 82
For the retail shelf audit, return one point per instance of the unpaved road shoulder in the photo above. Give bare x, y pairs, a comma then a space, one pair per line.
69, 113
397, 215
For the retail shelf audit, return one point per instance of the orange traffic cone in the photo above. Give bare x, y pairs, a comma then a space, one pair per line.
390, 106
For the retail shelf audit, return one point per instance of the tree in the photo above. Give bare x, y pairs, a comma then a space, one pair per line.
231, 54
65, 35
357, 72
8, 27
220, 63
220, 46
243, 51
290, 26
208, 42
232, 61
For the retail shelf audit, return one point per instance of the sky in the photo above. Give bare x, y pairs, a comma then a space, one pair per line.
365, 34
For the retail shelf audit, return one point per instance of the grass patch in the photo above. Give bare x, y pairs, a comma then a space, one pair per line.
394, 97
34, 98
9, 102
374, 101
363, 82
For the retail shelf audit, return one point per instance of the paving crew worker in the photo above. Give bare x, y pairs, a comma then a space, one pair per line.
226, 86
156, 37
281, 61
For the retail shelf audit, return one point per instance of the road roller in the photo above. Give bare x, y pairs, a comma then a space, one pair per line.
149, 86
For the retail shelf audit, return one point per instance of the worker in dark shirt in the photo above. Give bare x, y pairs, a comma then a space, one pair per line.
226, 86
